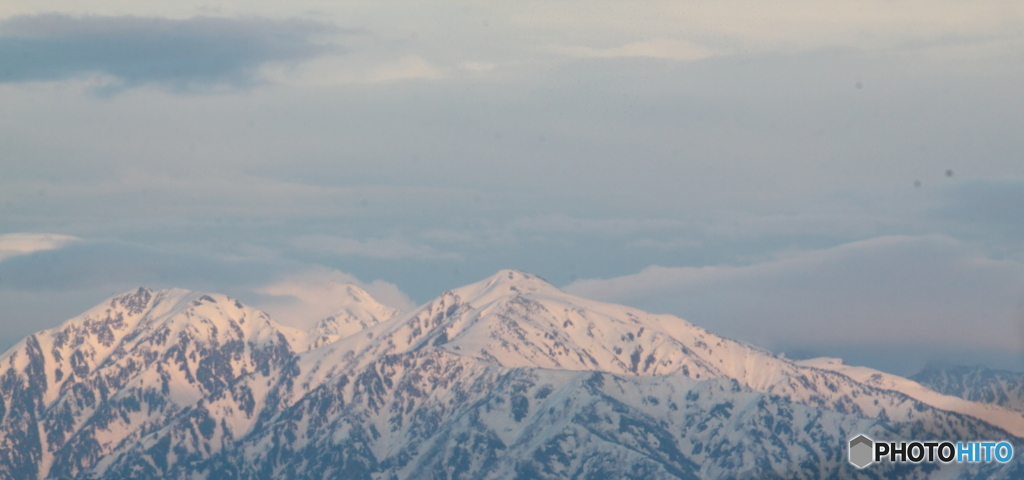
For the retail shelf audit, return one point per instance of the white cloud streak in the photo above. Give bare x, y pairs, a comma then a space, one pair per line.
663, 48
303, 298
22, 243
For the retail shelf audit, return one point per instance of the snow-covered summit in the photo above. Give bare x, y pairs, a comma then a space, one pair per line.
516, 319
505, 282
360, 312
156, 353
144, 322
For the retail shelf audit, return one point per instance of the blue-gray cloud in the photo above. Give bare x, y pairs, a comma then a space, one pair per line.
41, 289
187, 53
936, 296
44, 287
122, 265
986, 207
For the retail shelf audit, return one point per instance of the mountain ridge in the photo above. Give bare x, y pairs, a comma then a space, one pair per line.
508, 377
975, 383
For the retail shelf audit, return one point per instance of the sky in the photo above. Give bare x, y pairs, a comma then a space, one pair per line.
820, 179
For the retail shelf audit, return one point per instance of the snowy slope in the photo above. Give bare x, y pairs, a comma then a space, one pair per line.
1010, 420
518, 320
430, 414
505, 378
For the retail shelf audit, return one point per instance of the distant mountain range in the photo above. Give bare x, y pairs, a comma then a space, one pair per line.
505, 378
978, 384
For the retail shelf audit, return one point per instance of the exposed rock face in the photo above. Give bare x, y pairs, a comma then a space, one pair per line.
505, 378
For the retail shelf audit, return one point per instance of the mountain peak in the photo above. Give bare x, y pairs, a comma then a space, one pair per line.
516, 319
517, 278
143, 322
359, 313
134, 302
505, 282
356, 294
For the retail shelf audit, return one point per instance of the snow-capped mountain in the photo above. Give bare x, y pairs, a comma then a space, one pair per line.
505, 378
77, 395
361, 311
976, 383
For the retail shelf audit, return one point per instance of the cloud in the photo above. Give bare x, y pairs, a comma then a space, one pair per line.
929, 292
12, 244
393, 248
134, 51
985, 206
367, 68
664, 48
53, 283
116, 266
303, 298
478, 66
564, 224
740, 27
406, 68
665, 245
41, 289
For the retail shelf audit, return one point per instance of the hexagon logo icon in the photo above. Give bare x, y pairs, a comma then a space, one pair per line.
861, 449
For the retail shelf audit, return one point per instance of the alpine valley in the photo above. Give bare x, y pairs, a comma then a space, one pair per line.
508, 378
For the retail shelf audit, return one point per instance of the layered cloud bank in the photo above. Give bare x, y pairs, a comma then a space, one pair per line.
893, 302
925, 293
788, 173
